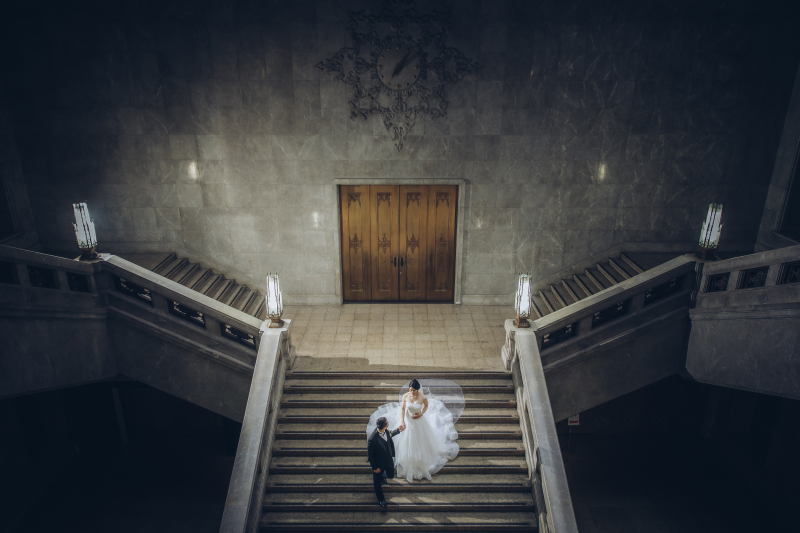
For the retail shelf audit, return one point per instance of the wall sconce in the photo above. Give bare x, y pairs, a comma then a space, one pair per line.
523, 304
274, 303
709, 235
84, 231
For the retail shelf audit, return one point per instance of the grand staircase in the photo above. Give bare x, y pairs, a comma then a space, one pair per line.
203, 280
593, 279
319, 479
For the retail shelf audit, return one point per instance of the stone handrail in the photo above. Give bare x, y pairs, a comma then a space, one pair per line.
543, 453
730, 283
36, 282
563, 337
659, 290
244, 503
167, 296
745, 323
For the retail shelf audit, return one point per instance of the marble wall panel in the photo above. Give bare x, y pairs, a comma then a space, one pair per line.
584, 128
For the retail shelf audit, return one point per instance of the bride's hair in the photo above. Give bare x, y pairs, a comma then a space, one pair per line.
414, 384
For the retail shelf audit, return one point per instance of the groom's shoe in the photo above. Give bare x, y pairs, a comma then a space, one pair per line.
382, 504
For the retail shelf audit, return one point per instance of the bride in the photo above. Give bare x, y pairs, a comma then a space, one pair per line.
428, 440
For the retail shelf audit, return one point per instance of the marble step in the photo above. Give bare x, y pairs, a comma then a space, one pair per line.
358, 431
323, 401
398, 382
395, 376
348, 416
358, 465
336, 389
383, 520
363, 502
363, 483
309, 500
355, 448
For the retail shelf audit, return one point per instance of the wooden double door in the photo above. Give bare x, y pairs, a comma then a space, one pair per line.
398, 242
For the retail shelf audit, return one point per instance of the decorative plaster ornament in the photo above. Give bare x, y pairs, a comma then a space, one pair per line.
398, 66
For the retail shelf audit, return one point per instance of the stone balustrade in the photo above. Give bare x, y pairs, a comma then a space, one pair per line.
244, 504
549, 485
746, 325
751, 279
71, 322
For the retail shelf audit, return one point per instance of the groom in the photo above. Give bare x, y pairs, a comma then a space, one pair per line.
380, 449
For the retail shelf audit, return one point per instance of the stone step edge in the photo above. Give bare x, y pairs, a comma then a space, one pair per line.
420, 487
352, 419
311, 374
358, 452
419, 507
283, 470
288, 387
339, 526
299, 404
357, 435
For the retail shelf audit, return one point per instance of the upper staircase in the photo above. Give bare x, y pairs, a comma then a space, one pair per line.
203, 280
569, 288
319, 478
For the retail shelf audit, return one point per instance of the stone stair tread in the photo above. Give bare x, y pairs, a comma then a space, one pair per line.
395, 375
296, 398
194, 276
360, 390
399, 498
463, 482
351, 427
380, 517
337, 384
362, 462
333, 445
400, 527
181, 271
499, 412
145, 260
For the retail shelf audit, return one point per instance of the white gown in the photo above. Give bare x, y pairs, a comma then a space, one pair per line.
427, 443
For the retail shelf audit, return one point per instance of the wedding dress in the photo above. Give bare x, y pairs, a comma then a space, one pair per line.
428, 442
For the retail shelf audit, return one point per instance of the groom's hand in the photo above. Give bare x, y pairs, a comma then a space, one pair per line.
377, 470
401, 427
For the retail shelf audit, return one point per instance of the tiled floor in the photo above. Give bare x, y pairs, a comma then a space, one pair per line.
375, 337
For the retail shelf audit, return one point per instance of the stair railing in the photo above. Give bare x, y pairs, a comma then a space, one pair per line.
549, 485
39, 285
745, 322
244, 504
724, 282
141, 296
565, 334
566, 337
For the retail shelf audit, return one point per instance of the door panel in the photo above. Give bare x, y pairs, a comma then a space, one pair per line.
441, 242
413, 242
383, 243
356, 235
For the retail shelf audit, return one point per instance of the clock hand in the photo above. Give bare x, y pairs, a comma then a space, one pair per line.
401, 64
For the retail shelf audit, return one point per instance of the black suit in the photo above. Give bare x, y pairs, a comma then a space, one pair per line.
381, 455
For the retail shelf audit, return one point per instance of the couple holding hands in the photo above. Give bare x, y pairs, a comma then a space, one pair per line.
425, 438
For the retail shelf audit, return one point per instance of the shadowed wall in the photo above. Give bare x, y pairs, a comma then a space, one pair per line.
206, 126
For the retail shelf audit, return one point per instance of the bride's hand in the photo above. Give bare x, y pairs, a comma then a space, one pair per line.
416, 415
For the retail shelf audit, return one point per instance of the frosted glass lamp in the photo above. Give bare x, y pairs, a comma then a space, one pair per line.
274, 303
709, 234
84, 231
524, 302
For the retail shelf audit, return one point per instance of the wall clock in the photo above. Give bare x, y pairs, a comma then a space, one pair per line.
398, 66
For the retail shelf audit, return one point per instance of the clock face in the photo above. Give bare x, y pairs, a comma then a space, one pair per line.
398, 66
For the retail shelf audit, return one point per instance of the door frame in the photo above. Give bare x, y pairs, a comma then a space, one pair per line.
462, 186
